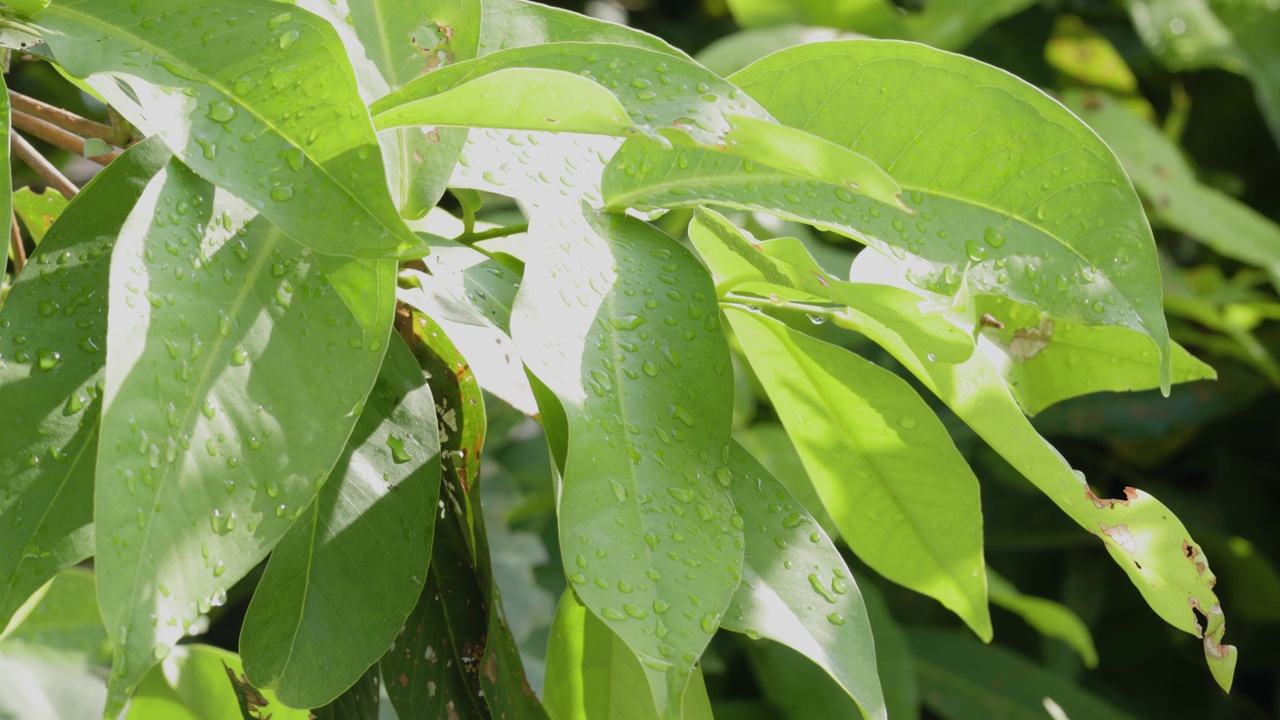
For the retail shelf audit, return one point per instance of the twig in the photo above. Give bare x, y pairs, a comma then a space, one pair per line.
43, 167
62, 118
471, 238
19, 253
57, 136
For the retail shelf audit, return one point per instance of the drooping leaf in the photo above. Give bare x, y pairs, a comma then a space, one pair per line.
1049, 618
620, 323
1010, 194
200, 682
948, 24
359, 702
224, 97
606, 89
1237, 35
593, 675
1177, 199
903, 497
214, 437
963, 680
38, 211
390, 43
796, 589
346, 575
51, 355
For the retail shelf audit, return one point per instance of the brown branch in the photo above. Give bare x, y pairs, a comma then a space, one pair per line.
57, 136
62, 118
43, 167
19, 253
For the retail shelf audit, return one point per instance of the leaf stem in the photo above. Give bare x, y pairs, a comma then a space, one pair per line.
19, 253
751, 302
42, 166
471, 238
62, 118
57, 136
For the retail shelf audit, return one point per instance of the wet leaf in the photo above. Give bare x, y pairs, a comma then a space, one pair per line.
213, 438
225, 97
620, 323
593, 675
1010, 194
47, 454
903, 497
796, 589
346, 575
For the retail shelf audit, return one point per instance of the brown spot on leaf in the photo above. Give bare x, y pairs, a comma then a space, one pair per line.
1028, 342
404, 680
491, 668
1120, 535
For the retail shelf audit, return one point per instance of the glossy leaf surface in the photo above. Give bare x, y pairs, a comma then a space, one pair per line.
208, 315
796, 589
647, 535
364, 543
52, 349
887, 471
314, 169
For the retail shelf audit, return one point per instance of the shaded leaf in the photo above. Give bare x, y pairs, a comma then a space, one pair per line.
903, 497
315, 170
359, 702
796, 589
620, 323
345, 576
799, 689
1010, 194
38, 211
1085, 55
1049, 618
518, 23
893, 657
593, 675
47, 454
209, 315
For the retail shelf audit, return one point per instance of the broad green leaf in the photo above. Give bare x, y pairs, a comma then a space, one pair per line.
192, 684
786, 271
214, 436
1148, 542
52, 346
27, 7
963, 680
389, 43
949, 24
38, 211
903, 497
894, 661
1049, 618
796, 589
606, 89
346, 575
1176, 198
620, 323
731, 53
1085, 55
63, 626
1238, 35
799, 689
359, 702
546, 170
517, 23
230, 108
1010, 194
768, 443
593, 675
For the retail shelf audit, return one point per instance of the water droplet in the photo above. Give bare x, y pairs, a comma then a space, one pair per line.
835, 619
993, 238
282, 193
398, 453
47, 360
239, 356
724, 477
908, 423
275, 22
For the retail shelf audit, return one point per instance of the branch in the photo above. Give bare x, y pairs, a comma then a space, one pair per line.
43, 167
471, 238
19, 253
57, 136
62, 118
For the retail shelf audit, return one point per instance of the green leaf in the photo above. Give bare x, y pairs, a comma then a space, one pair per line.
1010, 194
950, 24
593, 675
27, 7
606, 89
894, 661
879, 459
1086, 56
1049, 618
962, 680
782, 269
63, 626
1148, 542
1176, 198
6, 171
192, 684
390, 43
768, 443
230, 109
220, 330
731, 53
517, 23
359, 702
344, 578
38, 211
43, 690
799, 689
47, 454
796, 589
1238, 35
634, 351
